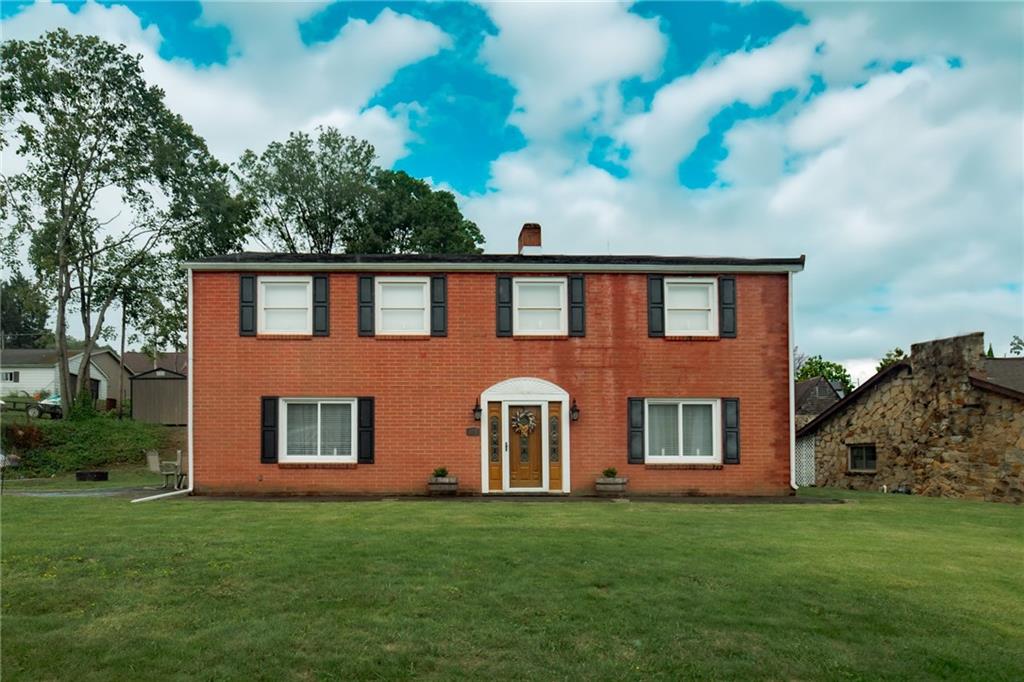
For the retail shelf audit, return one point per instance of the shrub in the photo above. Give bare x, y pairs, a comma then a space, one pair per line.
441, 472
610, 472
84, 443
19, 438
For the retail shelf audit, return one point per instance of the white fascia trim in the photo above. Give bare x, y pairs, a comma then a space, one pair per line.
191, 468
489, 267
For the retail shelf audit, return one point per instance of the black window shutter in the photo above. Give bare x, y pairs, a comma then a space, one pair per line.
366, 305
439, 305
655, 305
731, 430
577, 306
727, 307
504, 305
268, 430
365, 424
247, 305
636, 430
321, 305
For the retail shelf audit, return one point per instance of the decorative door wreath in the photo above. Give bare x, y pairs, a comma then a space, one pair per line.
524, 422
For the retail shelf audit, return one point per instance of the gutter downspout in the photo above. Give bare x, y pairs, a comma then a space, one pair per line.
191, 478
792, 397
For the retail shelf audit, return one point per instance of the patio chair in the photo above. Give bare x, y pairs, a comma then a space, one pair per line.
169, 470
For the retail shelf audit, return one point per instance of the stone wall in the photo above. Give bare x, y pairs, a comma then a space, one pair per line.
933, 431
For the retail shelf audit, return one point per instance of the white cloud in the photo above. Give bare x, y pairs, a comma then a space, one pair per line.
566, 61
666, 134
904, 189
272, 83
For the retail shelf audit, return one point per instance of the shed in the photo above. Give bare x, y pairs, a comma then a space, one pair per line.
160, 396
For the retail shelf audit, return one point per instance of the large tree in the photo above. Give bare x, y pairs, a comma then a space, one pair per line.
24, 311
325, 194
816, 366
91, 133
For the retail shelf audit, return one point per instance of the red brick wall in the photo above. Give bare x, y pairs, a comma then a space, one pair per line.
425, 388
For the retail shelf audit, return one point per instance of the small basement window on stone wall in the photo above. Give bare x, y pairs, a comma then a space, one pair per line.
863, 459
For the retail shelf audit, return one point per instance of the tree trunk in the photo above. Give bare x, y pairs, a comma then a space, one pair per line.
63, 371
120, 398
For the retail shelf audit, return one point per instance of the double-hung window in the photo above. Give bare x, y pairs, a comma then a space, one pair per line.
318, 430
403, 305
539, 306
691, 306
863, 458
285, 305
683, 431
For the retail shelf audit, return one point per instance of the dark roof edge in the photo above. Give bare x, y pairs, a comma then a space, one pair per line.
984, 384
853, 396
177, 374
491, 262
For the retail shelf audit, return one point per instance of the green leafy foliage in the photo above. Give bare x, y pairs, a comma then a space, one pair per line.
325, 194
83, 121
816, 366
440, 472
47, 447
24, 311
891, 358
610, 472
1016, 345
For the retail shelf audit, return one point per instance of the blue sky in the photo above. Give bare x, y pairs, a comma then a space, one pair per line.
882, 140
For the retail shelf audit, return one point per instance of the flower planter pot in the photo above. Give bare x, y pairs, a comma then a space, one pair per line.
92, 475
448, 485
611, 487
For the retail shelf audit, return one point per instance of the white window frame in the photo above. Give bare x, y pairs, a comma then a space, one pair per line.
712, 301
378, 286
261, 299
10, 377
282, 436
716, 431
563, 318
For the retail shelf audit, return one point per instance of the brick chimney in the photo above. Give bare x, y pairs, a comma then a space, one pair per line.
529, 238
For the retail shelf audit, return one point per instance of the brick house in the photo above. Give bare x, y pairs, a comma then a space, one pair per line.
947, 421
519, 373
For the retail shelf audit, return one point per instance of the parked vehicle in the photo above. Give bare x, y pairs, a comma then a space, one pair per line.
49, 406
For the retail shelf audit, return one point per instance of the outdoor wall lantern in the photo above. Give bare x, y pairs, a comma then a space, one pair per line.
574, 411
477, 411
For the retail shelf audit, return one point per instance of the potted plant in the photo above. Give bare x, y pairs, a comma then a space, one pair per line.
610, 484
440, 483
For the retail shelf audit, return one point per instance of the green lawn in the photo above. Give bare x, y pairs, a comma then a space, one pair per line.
884, 586
120, 477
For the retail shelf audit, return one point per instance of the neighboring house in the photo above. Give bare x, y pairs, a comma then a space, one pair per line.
946, 421
159, 387
33, 371
811, 397
519, 373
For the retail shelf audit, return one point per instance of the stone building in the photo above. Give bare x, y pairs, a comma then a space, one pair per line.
945, 422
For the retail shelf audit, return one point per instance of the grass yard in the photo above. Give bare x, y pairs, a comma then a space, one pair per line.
882, 587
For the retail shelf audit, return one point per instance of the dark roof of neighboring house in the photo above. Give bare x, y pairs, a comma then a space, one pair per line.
41, 357
807, 398
1008, 372
1002, 375
28, 357
138, 362
493, 259
852, 397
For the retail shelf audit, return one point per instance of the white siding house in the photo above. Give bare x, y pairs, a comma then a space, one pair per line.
33, 371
